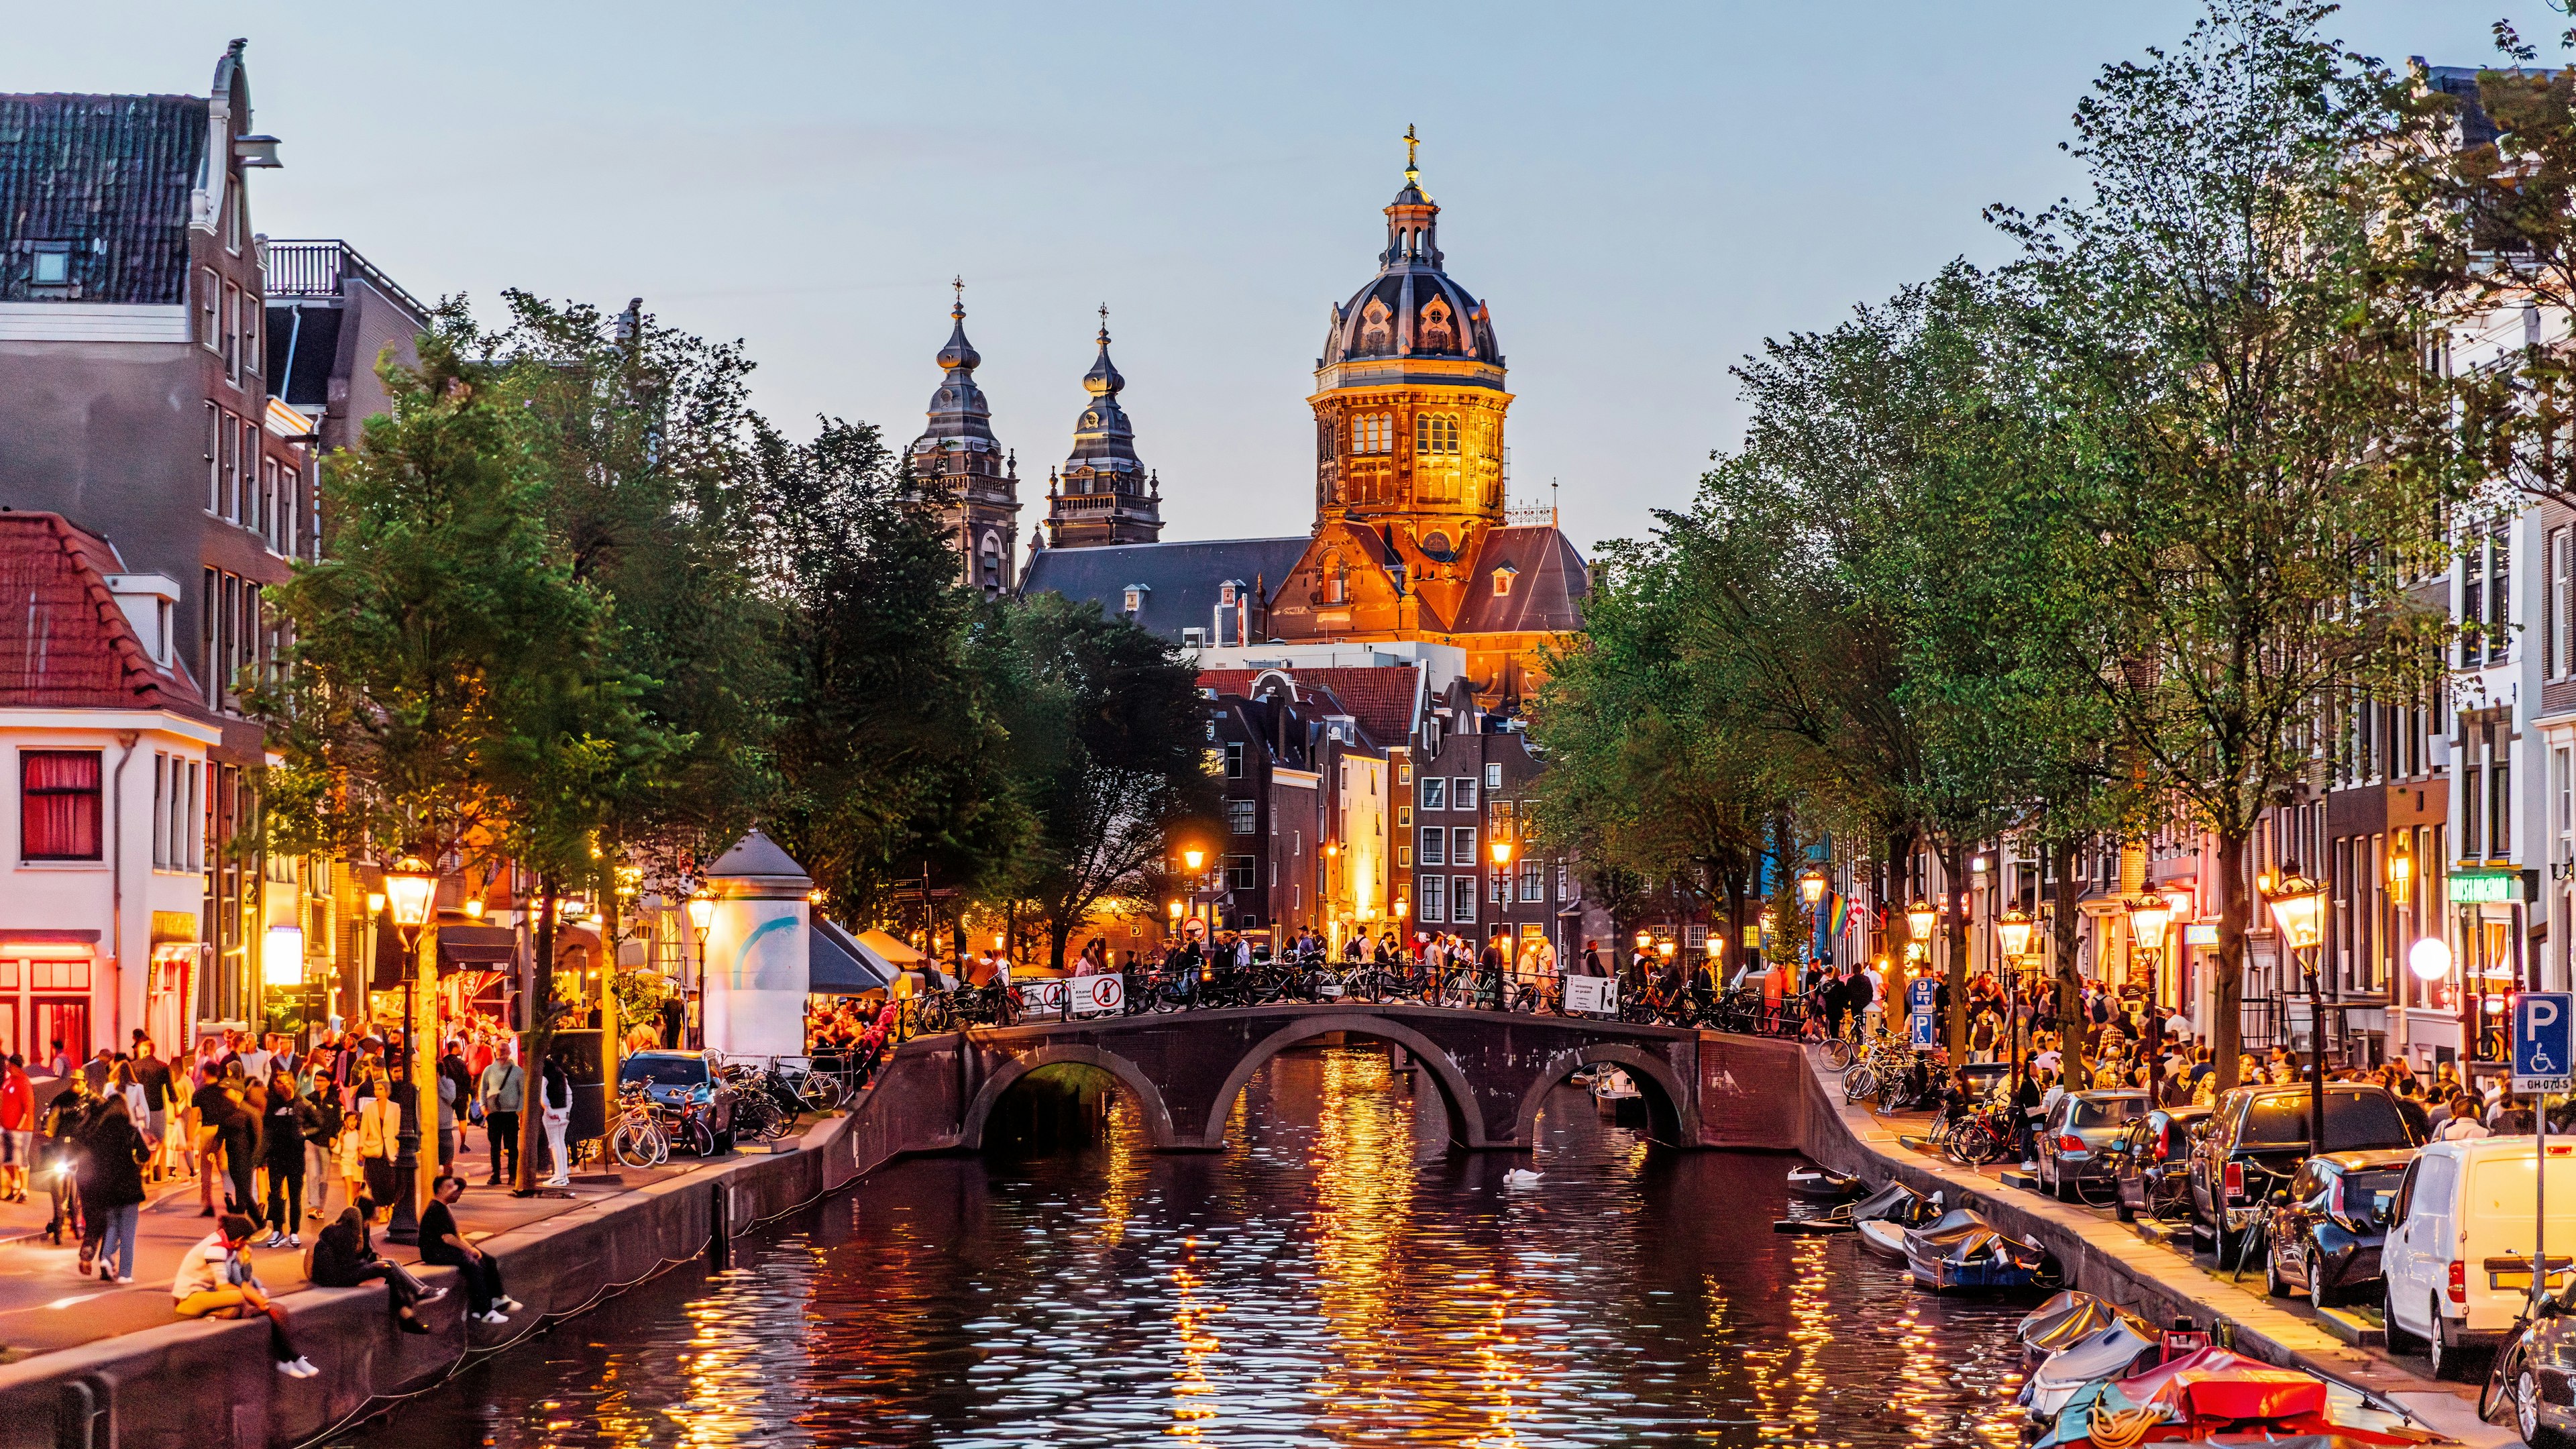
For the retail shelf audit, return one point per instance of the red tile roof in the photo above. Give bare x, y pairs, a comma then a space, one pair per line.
64, 641
1380, 698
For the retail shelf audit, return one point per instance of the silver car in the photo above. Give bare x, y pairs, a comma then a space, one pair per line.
2072, 1140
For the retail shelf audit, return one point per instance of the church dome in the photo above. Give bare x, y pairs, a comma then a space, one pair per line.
1411, 308
957, 413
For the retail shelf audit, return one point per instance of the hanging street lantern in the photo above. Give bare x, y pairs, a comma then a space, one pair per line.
2013, 932
1811, 886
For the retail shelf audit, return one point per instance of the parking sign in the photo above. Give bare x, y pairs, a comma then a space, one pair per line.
1924, 1036
2544, 1040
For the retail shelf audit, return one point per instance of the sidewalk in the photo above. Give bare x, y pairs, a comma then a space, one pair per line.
46, 1304
2286, 1324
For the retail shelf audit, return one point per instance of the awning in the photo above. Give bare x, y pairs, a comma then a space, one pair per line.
890, 950
460, 946
843, 965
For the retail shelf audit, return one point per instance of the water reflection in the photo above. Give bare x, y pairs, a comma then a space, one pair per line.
1338, 1277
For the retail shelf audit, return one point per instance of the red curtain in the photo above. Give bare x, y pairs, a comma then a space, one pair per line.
58, 799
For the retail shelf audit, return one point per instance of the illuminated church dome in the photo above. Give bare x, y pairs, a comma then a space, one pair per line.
1411, 308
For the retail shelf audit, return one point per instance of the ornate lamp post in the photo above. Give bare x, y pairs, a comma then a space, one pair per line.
1192, 857
702, 916
411, 889
2298, 912
2012, 933
2149, 914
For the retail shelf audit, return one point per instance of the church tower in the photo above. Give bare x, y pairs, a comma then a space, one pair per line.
1409, 401
957, 459
1103, 495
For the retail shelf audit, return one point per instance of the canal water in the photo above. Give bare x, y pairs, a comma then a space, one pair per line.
1336, 1278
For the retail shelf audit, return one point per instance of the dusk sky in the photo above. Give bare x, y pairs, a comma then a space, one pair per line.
1641, 194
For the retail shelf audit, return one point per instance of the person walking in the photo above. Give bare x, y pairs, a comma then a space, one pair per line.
17, 1130
503, 1088
153, 1075
115, 1152
64, 1117
281, 1150
321, 1141
557, 1106
443, 1245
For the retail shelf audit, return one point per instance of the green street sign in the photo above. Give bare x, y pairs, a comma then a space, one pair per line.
2485, 887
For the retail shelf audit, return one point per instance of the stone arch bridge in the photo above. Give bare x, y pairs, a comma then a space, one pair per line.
1492, 1071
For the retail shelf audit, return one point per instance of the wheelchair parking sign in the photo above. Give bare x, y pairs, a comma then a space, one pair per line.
2544, 1040
1925, 1038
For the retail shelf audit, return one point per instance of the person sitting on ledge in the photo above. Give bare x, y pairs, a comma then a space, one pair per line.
215, 1281
344, 1256
443, 1245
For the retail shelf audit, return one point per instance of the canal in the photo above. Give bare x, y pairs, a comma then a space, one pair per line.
1338, 1277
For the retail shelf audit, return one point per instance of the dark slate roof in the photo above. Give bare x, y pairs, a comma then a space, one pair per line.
1382, 698
1181, 578
1548, 584
111, 174
2461, 83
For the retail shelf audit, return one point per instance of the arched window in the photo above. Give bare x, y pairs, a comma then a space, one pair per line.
1377, 332
1435, 434
991, 576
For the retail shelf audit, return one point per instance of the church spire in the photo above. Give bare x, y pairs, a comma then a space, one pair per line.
958, 460
1108, 495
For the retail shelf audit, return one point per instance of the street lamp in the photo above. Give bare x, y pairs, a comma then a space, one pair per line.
2149, 914
702, 916
1811, 886
1920, 919
1191, 857
411, 889
2429, 958
410, 885
2298, 912
2013, 933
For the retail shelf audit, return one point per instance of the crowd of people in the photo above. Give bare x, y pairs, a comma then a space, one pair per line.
266, 1125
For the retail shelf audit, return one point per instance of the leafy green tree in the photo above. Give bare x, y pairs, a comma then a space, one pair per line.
1103, 723
2231, 327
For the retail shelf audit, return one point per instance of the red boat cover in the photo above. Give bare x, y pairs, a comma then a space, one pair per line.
2215, 1384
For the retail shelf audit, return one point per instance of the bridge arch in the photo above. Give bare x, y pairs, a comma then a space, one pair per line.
1156, 1116
1466, 1123
1670, 1116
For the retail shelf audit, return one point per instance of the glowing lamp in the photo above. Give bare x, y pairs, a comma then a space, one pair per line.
2013, 932
1920, 918
409, 888
2429, 959
1192, 856
1645, 939
474, 910
1175, 908
2148, 916
702, 912
999, 940
1667, 949
375, 903
281, 956
1811, 886
1403, 908
2298, 909
1332, 848
1978, 865
2401, 869
1502, 852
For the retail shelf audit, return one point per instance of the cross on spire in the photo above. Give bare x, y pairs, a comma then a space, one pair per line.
1410, 141
1104, 322
958, 285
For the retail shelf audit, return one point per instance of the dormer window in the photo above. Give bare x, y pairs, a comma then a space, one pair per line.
1503, 580
1136, 599
51, 267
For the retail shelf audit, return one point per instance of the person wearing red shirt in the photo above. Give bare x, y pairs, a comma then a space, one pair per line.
17, 1131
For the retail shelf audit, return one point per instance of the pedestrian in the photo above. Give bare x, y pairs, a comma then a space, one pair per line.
17, 1129
443, 1245
379, 1132
216, 1279
281, 1149
2410, 1106
240, 1132
115, 1152
2463, 1122
64, 1118
344, 1256
153, 1075
321, 1141
557, 1106
502, 1089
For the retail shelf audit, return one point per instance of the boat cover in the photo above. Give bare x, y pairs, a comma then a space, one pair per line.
1895, 1202
2104, 1353
2071, 1315
2215, 1397
1953, 1228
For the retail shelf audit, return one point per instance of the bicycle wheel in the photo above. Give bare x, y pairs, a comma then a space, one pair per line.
1838, 1053
1858, 1083
697, 1137
819, 1093
628, 1145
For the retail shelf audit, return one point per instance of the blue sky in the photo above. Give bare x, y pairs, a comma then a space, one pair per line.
1641, 193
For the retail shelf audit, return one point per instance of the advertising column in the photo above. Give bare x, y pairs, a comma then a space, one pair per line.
757, 953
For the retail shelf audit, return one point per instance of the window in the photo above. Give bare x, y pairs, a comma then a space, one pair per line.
1533, 880
1434, 905
1373, 433
1434, 845
1404, 772
1238, 816
1462, 900
1404, 857
51, 266
1436, 434
2499, 596
1503, 580
246, 510
229, 504
1462, 845
58, 808
1493, 777
1240, 872
1435, 793
2500, 803
1403, 817
1465, 794
2473, 596
266, 526
2553, 605
210, 297
1500, 812
1564, 882
214, 459
1234, 759
160, 810
232, 331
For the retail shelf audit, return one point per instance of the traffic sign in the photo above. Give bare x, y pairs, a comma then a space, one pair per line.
2544, 1040
1922, 994
1923, 1033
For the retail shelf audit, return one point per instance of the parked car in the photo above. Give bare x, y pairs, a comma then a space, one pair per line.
2255, 1139
2075, 1133
679, 1081
2323, 1230
2457, 1260
2150, 1160
2543, 1389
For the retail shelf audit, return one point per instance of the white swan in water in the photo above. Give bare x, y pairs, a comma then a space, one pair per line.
1521, 1177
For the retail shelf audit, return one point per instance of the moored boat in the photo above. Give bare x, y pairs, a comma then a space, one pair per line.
2215, 1397
1817, 1183
1964, 1251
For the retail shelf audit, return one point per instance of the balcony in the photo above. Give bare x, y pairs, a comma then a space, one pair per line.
314, 270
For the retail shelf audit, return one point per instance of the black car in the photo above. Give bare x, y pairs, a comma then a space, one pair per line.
2150, 1161
2322, 1232
2256, 1138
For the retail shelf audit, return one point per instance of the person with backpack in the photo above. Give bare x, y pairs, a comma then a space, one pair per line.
344, 1256
64, 1118
113, 1152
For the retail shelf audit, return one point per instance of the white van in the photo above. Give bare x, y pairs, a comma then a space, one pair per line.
2457, 1260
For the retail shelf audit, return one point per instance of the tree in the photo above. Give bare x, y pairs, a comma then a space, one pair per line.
1103, 721
891, 749
2231, 329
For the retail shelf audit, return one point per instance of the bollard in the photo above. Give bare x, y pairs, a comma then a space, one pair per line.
720, 1228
